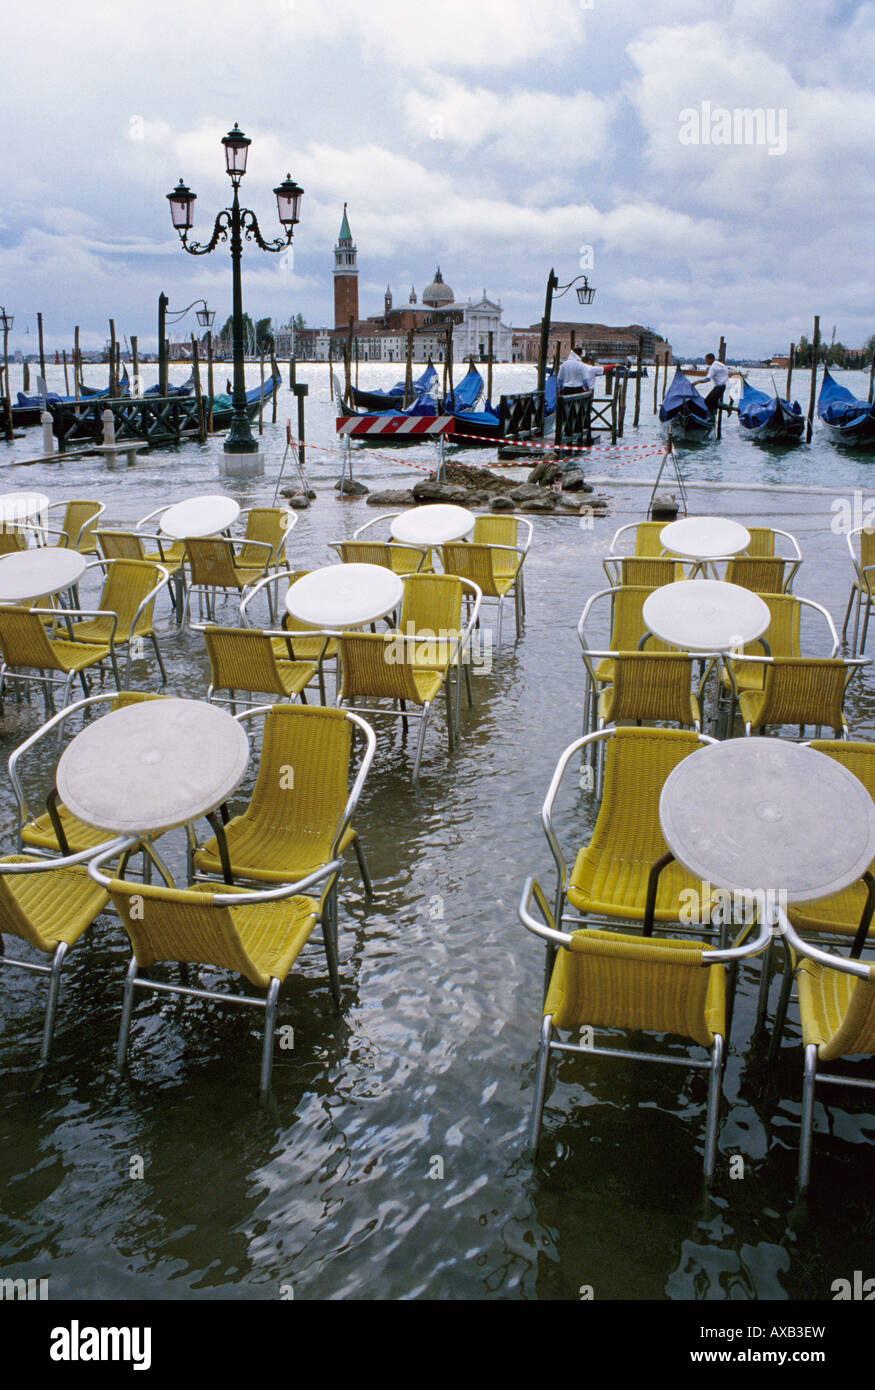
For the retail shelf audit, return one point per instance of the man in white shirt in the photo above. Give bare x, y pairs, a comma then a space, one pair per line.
591, 373
718, 375
572, 373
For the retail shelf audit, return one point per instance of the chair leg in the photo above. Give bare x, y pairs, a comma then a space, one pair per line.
158, 655
540, 1084
52, 1001
714, 1089
781, 1011
329, 937
498, 635
848, 611
127, 1010
363, 868
273, 990
806, 1119
766, 970
419, 747
450, 716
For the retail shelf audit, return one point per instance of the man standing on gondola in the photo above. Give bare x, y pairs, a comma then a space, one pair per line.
718, 375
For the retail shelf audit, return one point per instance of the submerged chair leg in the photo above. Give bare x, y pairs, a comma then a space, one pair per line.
714, 1088
848, 611
127, 1010
329, 937
158, 655
781, 1011
806, 1119
273, 990
423, 723
363, 868
52, 1001
540, 1084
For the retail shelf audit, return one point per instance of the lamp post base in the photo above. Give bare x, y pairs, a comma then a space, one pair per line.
248, 465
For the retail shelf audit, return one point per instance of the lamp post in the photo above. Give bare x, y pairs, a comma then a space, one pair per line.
236, 222
585, 295
205, 317
6, 321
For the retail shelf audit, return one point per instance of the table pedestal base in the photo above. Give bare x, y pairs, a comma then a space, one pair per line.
241, 465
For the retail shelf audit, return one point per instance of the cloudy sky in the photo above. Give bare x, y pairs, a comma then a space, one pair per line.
495, 137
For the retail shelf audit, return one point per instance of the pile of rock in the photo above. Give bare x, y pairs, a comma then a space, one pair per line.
481, 487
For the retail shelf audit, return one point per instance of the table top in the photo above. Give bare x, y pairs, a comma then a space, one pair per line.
435, 524
28, 574
22, 507
767, 815
153, 766
344, 596
705, 615
704, 537
199, 516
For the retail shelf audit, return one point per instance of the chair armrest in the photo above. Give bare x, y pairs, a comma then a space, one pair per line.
546, 929
805, 948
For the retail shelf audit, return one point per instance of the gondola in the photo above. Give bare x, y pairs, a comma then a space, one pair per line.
223, 405
769, 419
846, 419
86, 393
684, 412
388, 400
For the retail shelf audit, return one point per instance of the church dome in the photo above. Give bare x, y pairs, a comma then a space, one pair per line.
437, 294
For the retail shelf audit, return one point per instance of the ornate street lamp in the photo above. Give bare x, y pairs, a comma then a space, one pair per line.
237, 222
585, 295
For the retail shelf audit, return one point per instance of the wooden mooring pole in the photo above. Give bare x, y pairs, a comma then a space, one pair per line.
790, 363
872, 377
489, 350
721, 357
639, 362
261, 394
210, 387
136, 385
655, 383
42, 351
77, 362
113, 384
275, 374
198, 393
815, 348
66, 377
330, 374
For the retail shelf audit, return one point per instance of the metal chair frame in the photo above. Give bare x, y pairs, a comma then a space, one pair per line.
862, 581
460, 658
73, 542
128, 641
207, 592
516, 589
270, 634
852, 664
44, 676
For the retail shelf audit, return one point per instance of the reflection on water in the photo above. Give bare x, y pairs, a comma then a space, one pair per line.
334, 1189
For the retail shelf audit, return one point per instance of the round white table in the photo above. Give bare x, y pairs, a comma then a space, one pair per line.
341, 596
704, 537
199, 516
28, 574
767, 815
705, 615
435, 524
23, 509
152, 766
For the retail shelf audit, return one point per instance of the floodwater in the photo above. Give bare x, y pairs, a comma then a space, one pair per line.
391, 1162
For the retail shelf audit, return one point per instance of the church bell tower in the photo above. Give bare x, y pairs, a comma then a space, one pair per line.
346, 277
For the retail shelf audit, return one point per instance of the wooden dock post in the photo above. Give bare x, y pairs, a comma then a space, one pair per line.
556, 357
408, 372
639, 362
450, 365
300, 394
210, 386
655, 382
489, 365
815, 348
66, 377
664, 376
261, 395
42, 351
113, 384
871, 377
356, 364
25, 377
721, 357
135, 364
615, 401
293, 373
330, 374
198, 393
275, 373
790, 364
624, 386
8, 397
77, 362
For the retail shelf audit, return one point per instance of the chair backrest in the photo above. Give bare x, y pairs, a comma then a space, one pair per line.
376, 664
121, 545
857, 757
867, 548
126, 585
242, 658
804, 690
211, 561
496, 529
655, 985
652, 571
474, 562
853, 1033
647, 536
637, 762
763, 574
171, 924
24, 642
267, 525
80, 522
11, 541
783, 631
627, 622
14, 920
366, 553
652, 685
316, 744
432, 602
762, 541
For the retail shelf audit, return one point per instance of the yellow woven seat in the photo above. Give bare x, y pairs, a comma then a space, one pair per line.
213, 565
298, 816
11, 541
126, 609
495, 579
49, 908
762, 574
627, 629
379, 666
650, 685
245, 659
78, 527
646, 535
503, 531
400, 559
651, 571
30, 653
798, 690
244, 934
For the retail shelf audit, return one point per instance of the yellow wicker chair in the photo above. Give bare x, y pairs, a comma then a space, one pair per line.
799, 690
307, 644
604, 979
497, 570
381, 666
130, 545
782, 639
129, 592
432, 610
48, 904
763, 542
400, 559
650, 686
837, 1007
78, 528
503, 529
265, 526
405, 559
244, 659
652, 571
257, 935
861, 585
300, 813
12, 541
212, 565
627, 628
28, 652
57, 831
646, 535
763, 574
